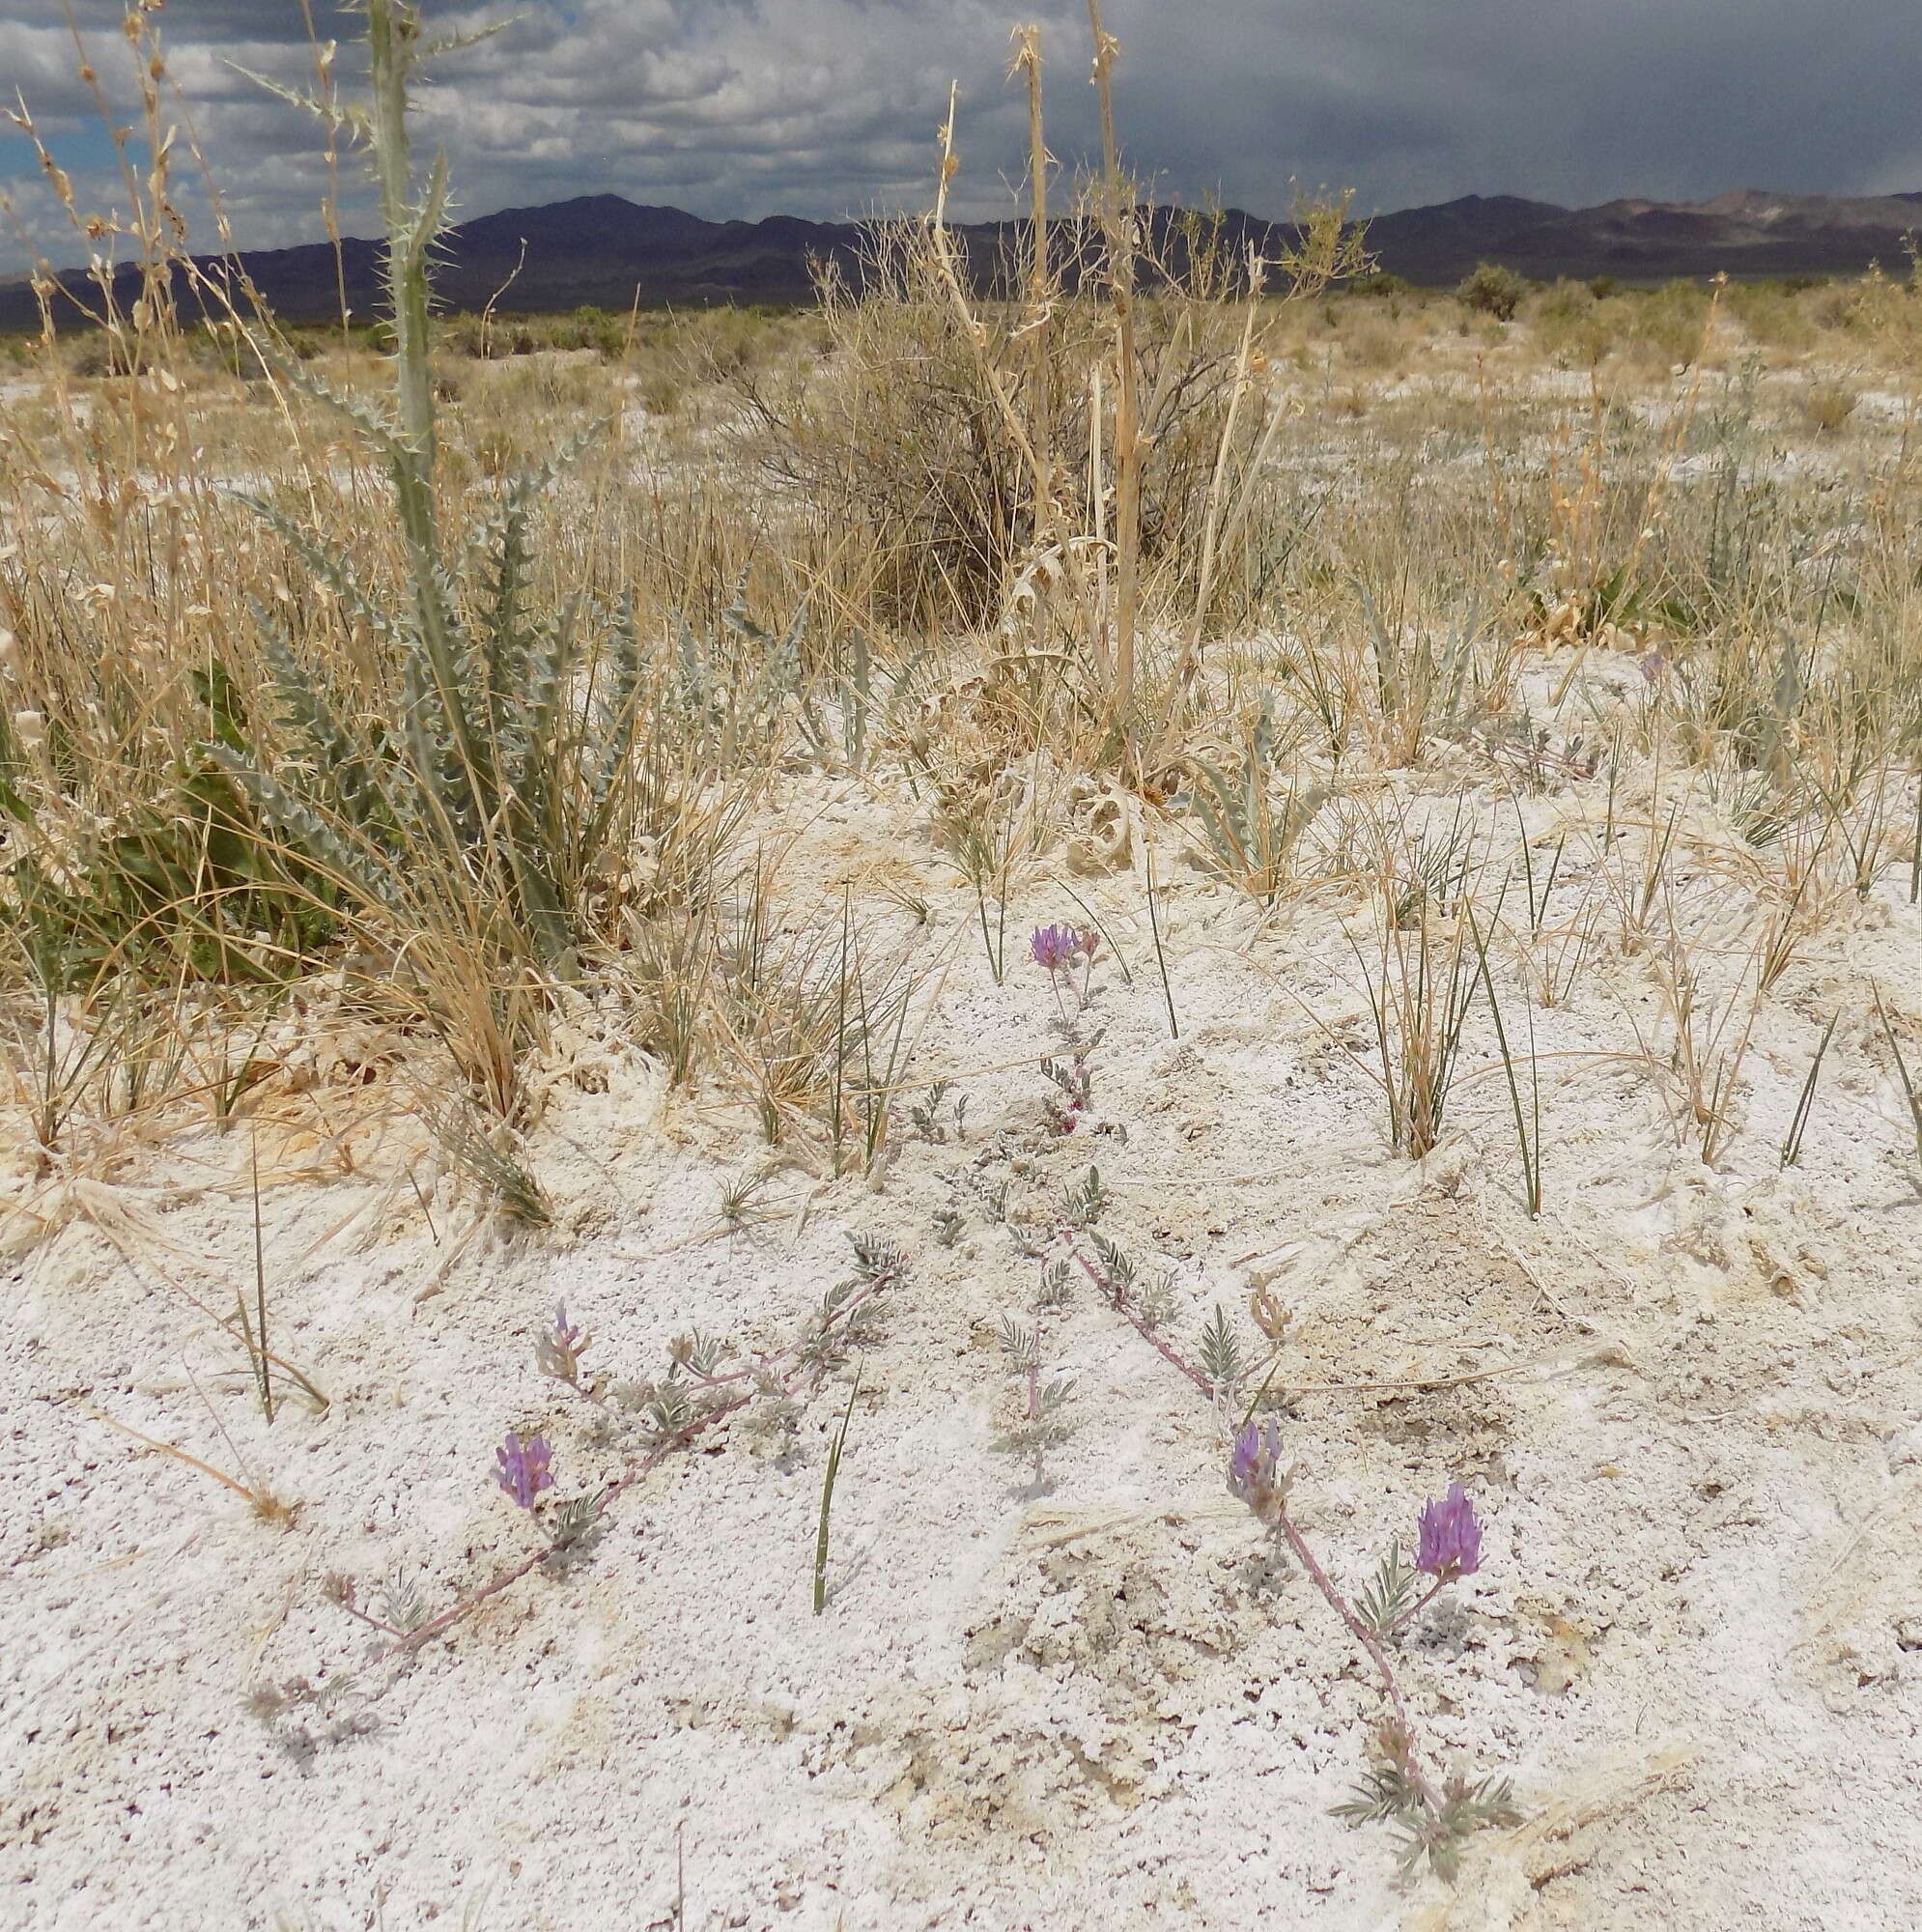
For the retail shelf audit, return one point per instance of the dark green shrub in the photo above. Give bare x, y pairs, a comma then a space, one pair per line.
1493, 290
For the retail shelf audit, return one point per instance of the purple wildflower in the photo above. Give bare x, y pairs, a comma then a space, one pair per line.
1053, 948
1450, 1539
1255, 1470
524, 1471
1059, 950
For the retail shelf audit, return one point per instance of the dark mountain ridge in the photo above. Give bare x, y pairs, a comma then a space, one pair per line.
609, 252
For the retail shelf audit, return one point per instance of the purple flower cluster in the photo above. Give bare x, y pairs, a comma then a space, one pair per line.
522, 1471
1449, 1544
1255, 1471
1056, 947
1060, 950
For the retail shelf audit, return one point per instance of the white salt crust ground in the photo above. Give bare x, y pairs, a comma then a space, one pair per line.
1093, 1701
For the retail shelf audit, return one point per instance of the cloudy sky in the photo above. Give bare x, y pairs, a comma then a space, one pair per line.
828, 107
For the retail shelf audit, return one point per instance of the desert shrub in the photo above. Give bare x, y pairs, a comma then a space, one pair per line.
1373, 341
1668, 327
1772, 316
1882, 310
547, 382
1836, 306
663, 389
1828, 403
1571, 325
107, 353
895, 436
468, 338
728, 343
899, 434
590, 328
1493, 290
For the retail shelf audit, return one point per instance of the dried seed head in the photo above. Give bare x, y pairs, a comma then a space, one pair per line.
1270, 1316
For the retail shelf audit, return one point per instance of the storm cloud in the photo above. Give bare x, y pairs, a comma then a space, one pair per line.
829, 107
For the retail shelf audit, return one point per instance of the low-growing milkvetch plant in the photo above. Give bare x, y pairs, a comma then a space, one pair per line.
1433, 1820
707, 1383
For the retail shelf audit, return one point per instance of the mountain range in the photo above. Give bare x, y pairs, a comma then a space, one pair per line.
607, 251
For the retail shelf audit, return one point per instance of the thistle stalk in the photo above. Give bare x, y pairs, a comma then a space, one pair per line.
1119, 242
393, 39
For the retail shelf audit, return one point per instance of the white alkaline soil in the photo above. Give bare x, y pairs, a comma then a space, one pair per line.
1068, 1683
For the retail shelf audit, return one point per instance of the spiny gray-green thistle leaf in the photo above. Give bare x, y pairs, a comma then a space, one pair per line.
511, 567
359, 872
438, 601
404, 264
535, 740
439, 768
453, 44
619, 715
339, 766
378, 428
332, 569
331, 118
